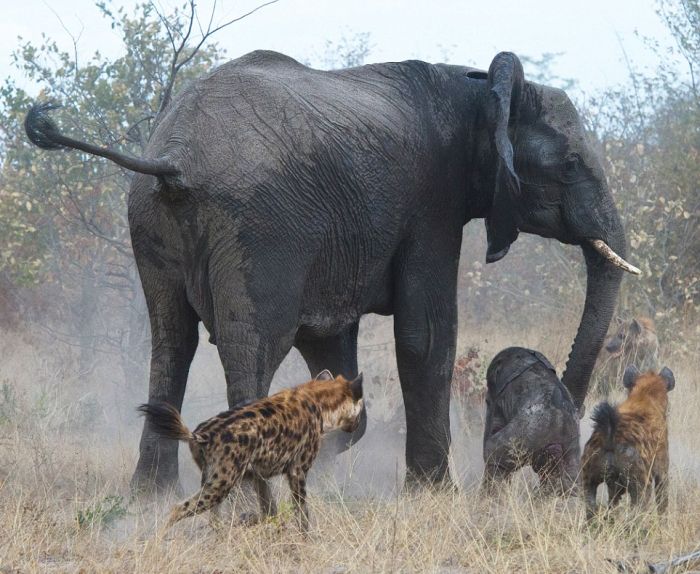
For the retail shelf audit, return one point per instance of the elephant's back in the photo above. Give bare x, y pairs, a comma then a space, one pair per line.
248, 117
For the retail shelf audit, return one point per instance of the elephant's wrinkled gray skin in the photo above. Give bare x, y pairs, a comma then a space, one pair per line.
530, 420
287, 202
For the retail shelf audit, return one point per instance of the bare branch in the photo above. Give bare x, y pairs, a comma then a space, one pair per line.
72, 37
635, 83
133, 133
91, 227
174, 65
178, 64
166, 24
261, 6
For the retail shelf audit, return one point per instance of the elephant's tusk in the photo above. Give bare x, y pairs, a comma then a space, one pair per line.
603, 248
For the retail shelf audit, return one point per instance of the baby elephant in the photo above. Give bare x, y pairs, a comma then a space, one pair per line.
629, 445
530, 419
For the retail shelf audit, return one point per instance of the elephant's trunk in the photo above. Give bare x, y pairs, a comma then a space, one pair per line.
603, 282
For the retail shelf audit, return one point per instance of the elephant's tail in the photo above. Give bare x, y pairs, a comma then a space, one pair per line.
43, 132
166, 421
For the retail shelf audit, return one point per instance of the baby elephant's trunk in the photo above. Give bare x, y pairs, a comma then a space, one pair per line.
165, 420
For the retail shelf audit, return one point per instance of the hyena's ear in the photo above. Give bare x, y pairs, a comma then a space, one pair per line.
356, 388
324, 375
635, 327
667, 375
630, 376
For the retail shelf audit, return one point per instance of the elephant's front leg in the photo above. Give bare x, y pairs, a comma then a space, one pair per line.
425, 329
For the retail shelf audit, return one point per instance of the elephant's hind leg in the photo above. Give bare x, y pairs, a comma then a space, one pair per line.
174, 339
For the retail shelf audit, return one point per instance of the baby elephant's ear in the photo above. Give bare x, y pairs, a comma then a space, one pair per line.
630, 376
667, 375
324, 375
356, 387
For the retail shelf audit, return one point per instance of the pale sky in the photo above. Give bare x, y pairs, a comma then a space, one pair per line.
590, 34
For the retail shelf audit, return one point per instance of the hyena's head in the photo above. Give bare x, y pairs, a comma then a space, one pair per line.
340, 401
649, 386
634, 341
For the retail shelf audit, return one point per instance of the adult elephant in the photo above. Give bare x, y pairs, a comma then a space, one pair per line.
278, 204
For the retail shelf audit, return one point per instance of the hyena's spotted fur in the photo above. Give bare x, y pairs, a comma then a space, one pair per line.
628, 450
276, 435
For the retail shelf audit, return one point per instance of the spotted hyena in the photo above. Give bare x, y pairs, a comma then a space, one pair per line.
628, 450
633, 343
276, 435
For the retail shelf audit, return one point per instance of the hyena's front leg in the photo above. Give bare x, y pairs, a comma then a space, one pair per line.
268, 506
266, 500
297, 484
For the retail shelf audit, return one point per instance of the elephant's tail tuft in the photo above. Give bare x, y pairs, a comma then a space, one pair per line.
41, 129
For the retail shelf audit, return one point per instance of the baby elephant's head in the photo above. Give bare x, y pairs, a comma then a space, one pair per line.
340, 401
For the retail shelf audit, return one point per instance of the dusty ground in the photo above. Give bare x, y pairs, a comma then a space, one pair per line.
68, 445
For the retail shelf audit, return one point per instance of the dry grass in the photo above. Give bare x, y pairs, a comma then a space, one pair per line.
63, 470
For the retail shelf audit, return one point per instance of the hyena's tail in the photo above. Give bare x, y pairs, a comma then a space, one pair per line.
605, 420
166, 421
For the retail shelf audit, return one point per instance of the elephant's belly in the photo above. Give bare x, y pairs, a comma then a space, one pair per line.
326, 313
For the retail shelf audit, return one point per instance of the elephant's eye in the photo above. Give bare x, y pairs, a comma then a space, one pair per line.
571, 163
570, 171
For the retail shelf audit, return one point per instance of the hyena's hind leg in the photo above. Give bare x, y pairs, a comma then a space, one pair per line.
615, 492
209, 497
590, 488
661, 492
639, 491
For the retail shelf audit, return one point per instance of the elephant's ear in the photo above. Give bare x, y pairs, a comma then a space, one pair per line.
506, 82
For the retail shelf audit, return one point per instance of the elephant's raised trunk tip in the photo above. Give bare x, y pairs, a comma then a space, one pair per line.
601, 247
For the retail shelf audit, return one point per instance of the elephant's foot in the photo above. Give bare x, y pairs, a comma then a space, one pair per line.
149, 481
438, 479
249, 519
